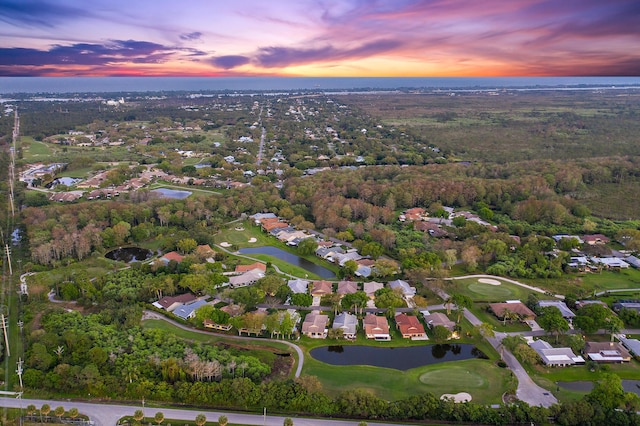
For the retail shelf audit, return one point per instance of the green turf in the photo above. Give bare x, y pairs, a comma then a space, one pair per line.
493, 292
393, 385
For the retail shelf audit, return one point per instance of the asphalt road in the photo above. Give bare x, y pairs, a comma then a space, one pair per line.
109, 414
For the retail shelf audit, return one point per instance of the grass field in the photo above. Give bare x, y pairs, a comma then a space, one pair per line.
394, 385
34, 151
478, 291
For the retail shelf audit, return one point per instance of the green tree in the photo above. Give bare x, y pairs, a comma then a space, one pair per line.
462, 302
301, 299
73, 413
159, 417
441, 333
59, 412
270, 284
552, 321
307, 246
186, 245
373, 249
288, 422
608, 392
222, 420
44, 410
613, 325
201, 419
31, 409
138, 415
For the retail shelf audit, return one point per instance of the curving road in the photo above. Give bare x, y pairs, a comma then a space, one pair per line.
154, 315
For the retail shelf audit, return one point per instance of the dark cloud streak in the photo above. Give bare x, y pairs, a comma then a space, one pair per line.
38, 13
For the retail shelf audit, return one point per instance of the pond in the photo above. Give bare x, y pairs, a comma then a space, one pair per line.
397, 358
290, 258
171, 193
587, 386
129, 254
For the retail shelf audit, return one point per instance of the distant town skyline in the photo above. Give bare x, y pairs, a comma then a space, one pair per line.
320, 38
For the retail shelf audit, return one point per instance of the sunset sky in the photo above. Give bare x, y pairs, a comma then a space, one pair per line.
359, 38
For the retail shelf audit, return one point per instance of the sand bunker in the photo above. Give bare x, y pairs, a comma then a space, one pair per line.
225, 244
488, 281
252, 240
457, 397
239, 228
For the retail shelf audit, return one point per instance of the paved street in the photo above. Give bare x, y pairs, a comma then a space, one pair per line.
109, 414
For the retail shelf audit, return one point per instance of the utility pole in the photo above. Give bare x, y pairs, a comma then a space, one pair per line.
6, 247
6, 336
19, 371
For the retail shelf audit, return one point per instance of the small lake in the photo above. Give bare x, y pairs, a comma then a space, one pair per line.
171, 193
587, 386
290, 258
397, 358
129, 254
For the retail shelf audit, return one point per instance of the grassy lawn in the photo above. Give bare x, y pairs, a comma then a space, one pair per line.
393, 385
479, 311
34, 151
480, 292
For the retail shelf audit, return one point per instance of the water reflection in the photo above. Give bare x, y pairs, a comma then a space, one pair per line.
397, 358
290, 258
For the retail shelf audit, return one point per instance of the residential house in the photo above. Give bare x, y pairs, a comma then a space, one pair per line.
413, 215
555, 357
433, 229
298, 285
633, 261
438, 318
348, 323
610, 262
404, 287
321, 288
347, 287
328, 253
562, 307
582, 303
626, 304
188, 311
500, 310
315, 325
410, 327
376, 327
241, 269
221, 327
606, 352
172, 255
169, 303
595, 239
633, 345
363, 271
342, 258
371, 287
246, 279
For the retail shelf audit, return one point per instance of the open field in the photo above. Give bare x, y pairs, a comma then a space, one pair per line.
533, 125
393, 384
34, 151
479, 291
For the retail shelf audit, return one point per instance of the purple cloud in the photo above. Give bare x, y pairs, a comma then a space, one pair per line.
272, 57
117, 51
230, 61
38, 13
191, 36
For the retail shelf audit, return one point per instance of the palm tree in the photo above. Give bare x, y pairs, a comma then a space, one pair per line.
362, 424
159, 417
59, 412
31, 409
73, 413
222, 420
44, 411
201, 419
138, 415
287, 422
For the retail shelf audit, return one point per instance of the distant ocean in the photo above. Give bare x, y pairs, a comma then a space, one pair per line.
9, 85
